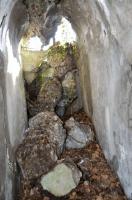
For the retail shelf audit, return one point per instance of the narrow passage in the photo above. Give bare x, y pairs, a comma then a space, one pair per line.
59, 157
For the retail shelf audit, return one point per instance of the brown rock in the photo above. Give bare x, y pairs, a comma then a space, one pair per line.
52, 126
42, 145
35, 155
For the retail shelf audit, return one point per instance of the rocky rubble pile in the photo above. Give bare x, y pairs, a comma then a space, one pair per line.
51, 170
39, 154
59, 157
54, 87
78, 135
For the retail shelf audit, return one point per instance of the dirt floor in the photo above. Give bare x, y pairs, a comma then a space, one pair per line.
98, 182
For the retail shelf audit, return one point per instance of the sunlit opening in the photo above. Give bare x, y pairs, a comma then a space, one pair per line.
34, 43
64, 33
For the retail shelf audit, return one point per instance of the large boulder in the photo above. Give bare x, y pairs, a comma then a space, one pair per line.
62, 179
41, 73
51, 125
35, 155
64, 67
50, 94
69, 93
42, 145
78, 135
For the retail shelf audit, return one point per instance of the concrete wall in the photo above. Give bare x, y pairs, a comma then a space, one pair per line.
104, 29
12, 97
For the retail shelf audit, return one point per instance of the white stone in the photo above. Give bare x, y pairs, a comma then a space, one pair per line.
61, 180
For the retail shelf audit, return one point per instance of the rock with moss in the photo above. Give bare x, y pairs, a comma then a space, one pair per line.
45, 71
65, 66
62, 179
42, 72
69, 87
61, 58
50, 94
56, 55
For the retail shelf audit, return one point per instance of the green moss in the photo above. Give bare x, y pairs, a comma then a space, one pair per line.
57, 50
46, 74
75, 50
56, 54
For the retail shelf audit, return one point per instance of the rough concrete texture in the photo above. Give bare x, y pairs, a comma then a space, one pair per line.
104, 29
104, 34
12, 98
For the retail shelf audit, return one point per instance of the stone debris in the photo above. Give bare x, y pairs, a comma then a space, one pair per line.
74, 107
35, 155
42, 145
85, 173
34, 108
69, 86
60, 108
64, 67
69, 93
78, 135
64, 110
52, 126
50, 94
54, 86
59, 158
42, 72
62, 179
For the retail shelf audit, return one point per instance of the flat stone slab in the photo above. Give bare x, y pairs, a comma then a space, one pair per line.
62, 179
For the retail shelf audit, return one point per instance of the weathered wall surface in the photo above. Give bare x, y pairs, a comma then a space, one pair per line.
12, 98
104, 29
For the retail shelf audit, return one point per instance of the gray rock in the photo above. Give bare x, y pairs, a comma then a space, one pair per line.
50, 94
78, 135
69, 86
52, 126
42, 72
66, 65
75, 106
62, 179
60, 108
